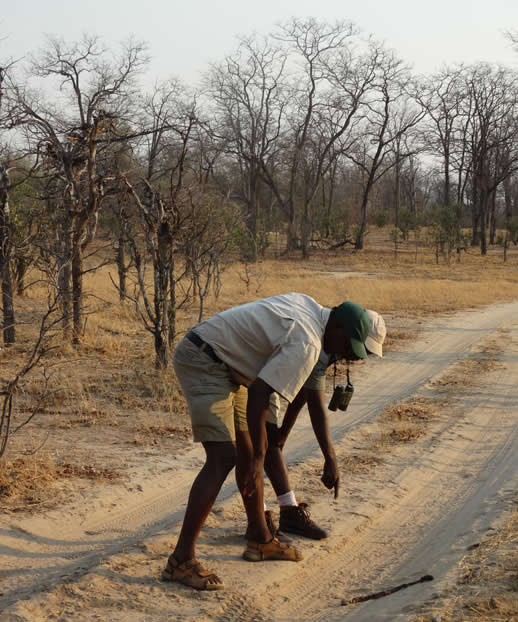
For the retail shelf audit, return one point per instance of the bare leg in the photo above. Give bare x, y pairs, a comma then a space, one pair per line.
254, 505
274, 464
219, 462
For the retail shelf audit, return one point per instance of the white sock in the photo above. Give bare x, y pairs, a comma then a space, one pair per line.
288, 498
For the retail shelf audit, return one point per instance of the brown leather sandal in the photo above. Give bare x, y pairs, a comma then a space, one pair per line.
272, 528
259, 551
191, 573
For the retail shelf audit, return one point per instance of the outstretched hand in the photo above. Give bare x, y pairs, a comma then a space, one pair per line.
330, 476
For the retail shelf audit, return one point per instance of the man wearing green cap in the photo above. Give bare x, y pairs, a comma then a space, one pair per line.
295, 517
270, 346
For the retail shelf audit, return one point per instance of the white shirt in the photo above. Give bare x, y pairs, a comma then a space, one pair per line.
277, 339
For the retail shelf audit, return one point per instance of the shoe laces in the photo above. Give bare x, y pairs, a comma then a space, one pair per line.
303, 507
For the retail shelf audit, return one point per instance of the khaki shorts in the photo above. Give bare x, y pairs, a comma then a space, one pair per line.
217, 404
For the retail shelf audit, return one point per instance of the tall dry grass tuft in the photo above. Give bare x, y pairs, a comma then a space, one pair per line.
25, 481
465, 373
487, 586
109, 385
403, 423
360, 463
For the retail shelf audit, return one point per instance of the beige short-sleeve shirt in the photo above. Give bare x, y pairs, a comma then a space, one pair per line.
277, 339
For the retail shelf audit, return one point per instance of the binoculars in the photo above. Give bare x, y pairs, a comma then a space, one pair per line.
341, 397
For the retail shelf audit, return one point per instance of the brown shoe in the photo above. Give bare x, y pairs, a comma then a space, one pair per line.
296, 519
259, 551
273, 529
192, 574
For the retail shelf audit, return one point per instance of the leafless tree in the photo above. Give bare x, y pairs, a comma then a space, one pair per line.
443, 97
6, 227
510, 186
160, 189
70, 141
325, 91
247, 92
389, 116
492, 132
42, 346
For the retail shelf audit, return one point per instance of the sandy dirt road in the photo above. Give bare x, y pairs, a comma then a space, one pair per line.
414, 514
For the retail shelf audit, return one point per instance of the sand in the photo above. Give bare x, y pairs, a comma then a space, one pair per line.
414, 513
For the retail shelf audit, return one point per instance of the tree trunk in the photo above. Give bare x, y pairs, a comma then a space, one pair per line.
291, 240
161, 267
121, 265
397, 192
484, 200
306, 230
77, 289
161, 303
446, 197
251, 216
475, 217
328, 206
172, 303
492, 218
20, 270
363, 210
508, 213
9, 333
363, 221
64, 253
7, 302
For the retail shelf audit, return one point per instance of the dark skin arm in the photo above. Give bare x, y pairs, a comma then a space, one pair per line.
256, 411
317, 412
336, 341
290, 416
318, 416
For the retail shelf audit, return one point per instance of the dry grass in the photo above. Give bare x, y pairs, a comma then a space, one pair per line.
360, 463
397, 338
25, 481
466, 373
407, 421
403, 423
416, 410
109, 384
399, 423
392, 289
487, 588
388, 436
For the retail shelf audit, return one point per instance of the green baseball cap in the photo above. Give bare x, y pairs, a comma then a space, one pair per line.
356, 324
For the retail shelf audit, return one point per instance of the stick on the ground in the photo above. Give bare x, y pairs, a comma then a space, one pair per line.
361, 599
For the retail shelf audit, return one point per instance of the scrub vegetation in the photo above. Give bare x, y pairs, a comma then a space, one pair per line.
109, 387
312, 161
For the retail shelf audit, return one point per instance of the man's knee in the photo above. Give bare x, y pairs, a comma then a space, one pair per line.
220, 456
272, 432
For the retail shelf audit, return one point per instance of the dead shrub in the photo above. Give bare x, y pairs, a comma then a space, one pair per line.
360, 463
27, 482
416, 409
487, 587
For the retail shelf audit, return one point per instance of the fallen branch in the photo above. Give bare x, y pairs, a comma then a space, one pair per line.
361, 599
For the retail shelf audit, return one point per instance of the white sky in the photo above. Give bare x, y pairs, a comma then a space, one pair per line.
186, 35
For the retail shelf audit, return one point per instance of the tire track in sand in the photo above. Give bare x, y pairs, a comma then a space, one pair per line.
425, 528
73, 551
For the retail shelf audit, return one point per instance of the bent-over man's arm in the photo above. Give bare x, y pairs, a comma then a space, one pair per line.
318, 416
290, 417
256, 411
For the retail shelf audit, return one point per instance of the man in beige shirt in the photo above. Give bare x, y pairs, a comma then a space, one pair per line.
295, 517
271, 345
